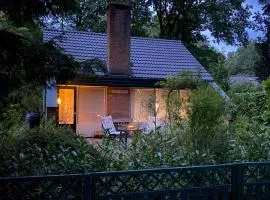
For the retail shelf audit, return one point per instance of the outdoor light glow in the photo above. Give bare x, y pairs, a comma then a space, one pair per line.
59, 101
130, 126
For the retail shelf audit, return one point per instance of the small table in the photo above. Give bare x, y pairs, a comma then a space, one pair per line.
132, 128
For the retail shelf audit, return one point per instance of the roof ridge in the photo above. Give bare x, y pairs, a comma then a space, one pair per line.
74, 31
105, 34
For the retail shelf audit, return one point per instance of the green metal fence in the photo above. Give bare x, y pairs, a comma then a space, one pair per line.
222, 182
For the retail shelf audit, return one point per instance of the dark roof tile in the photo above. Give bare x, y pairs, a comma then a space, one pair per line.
151, 58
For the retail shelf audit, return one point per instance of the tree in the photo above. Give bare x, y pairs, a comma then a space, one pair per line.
243, 61
263, 68
21, 12
25, 59
212, 60
91, 15
87, 15
186, 19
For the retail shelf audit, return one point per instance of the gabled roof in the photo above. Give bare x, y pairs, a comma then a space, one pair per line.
240, 79
151, 58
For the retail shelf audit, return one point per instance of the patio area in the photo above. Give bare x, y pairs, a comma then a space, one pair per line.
131, 108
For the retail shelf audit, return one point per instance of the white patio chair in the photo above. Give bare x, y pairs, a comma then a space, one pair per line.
109, 128
154, 123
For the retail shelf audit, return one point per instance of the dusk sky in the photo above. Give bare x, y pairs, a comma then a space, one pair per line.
252, 34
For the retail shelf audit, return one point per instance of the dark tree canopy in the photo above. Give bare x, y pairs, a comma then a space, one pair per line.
22, 12
177, 19
263, 67
90, 15
173, 19
186, 19
212, 60
25, 59
243, 61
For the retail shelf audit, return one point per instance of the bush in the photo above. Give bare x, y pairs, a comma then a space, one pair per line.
207, 137
164, 149
250, 104
47, 150
157, 149
253, 139
206, 113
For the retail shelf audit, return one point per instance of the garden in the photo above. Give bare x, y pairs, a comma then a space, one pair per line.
215, 131
217, 128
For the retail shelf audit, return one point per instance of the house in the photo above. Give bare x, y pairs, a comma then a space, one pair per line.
134, 65
242, 79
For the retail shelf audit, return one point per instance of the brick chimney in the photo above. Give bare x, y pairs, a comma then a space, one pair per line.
119, 34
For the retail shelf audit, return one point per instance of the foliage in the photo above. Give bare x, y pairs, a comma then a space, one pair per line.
186, 20
87, 15
26, 60
173, 107
207, 137
23, 12
184, 80
212, 60
248, 99
46, 150
90, 15
207, 107
263, 67
226, 20
253, 139
243, 61
250, 121
245, 87
11, 122
263, 19
141, 18
27, 98
206, 114
249, 104
266, 85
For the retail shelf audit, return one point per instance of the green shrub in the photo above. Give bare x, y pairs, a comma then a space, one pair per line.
249, 100
47, 150
206, 113
156, 149
164, 149
253, 139
250, 104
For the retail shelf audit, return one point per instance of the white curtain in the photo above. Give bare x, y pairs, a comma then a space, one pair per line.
90, 107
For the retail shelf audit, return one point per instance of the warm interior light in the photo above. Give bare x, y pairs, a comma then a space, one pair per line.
130, 126
59, 101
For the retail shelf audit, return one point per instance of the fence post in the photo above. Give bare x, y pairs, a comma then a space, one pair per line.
238, 185
89, 188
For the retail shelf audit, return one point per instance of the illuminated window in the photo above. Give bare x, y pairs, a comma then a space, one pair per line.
142, 104
66, 106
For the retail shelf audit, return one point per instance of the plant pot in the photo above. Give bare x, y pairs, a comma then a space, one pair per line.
33, 119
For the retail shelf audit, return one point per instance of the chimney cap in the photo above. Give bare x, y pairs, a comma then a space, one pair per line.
120, 2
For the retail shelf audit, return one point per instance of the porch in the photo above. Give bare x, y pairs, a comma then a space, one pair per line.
83, 106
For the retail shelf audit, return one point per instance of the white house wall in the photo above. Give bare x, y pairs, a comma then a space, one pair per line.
51, 97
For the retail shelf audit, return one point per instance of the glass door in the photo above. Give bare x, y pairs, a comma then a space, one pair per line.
91, 106
66, 106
